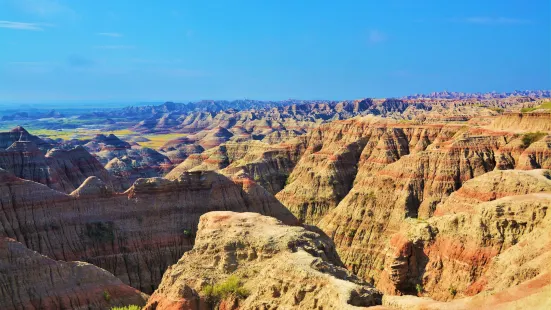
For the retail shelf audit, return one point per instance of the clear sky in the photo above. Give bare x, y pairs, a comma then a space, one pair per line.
130, 50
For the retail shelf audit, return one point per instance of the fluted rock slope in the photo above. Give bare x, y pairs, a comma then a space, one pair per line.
33, 281
135, 235
501, 244
337, 152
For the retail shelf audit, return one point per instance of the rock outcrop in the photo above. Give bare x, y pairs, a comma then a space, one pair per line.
274, 265
26, 160
135, 235
33, 281
77, 164
336, 152
21, 134
501, 244
268, 165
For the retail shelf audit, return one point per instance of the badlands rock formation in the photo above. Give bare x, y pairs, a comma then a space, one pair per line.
135, 235
335, 153
400, 174
20, 134
463, 254
268, 165
33, 281
62, 170
279, 267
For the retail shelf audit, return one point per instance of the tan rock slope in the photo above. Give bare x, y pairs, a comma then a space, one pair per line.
532, 121
33, 281
277, 267
135, 235
501, 253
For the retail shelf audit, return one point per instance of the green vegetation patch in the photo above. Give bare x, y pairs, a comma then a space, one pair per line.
131, 307
452, 290
232, 286
419, 288
526, 110
531, 137
545, 105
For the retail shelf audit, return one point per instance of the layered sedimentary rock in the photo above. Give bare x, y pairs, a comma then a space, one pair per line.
411, 187
533, 121
359, 180
494, 185
31, 158
537, 155
33, 281
501, 244
268, 165
129, 165
21, 134
136, 234
26, 160
337, 152
278, 266
77, 164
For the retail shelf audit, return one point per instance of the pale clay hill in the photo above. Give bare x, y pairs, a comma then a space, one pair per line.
454, 212
280, 266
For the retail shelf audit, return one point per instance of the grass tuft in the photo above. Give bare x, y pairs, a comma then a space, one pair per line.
232, 286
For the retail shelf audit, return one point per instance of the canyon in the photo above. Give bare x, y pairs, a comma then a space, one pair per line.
437, 202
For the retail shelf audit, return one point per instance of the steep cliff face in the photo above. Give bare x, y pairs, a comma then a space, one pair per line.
62, 170
537, 155
135, 235
129, 165
378, 241
276, 266
403, 171
337, 152
33, 281
462, 254
409, 188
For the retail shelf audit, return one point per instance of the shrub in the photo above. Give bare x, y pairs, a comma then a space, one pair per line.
288, 181
232, 286
106, 296
419, 288
546, 105
371, 195
452, 290
100, 231
352, 233
187, 233
526, 110
130, 307
531, 137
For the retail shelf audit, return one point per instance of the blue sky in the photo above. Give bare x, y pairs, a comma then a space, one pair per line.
123, 50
